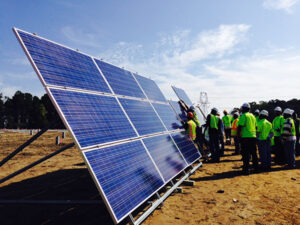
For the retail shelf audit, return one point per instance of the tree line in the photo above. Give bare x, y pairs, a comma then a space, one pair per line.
25, 111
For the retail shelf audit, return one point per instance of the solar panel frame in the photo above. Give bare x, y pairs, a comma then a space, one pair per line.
67, 121
18, 33
159, 98
182, 95
182, 134
112, 94
175, 106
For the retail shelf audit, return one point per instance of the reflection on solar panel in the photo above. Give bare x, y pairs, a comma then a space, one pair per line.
121, 81
61, 66
168, 116
165, 155
142, 116
150, 88
94, 119
186, 147
178, 110
182, 95
126, 175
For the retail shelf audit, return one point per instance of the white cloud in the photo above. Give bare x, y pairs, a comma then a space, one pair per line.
285, 5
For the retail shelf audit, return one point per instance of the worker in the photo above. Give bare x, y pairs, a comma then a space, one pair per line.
256, 114
234, 130
288, 133
247, 132
195, 117
227, 125
297, 126
264, 133
191, 129
277, 126
221, 134
212, 125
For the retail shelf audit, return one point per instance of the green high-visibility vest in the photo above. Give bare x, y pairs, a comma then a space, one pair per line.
214, 121
227, 121
264, 128
195, 118
248, 123
277, 125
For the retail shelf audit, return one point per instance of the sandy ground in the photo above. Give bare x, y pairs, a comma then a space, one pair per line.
262, 198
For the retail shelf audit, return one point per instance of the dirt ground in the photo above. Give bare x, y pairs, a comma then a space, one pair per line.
261, 198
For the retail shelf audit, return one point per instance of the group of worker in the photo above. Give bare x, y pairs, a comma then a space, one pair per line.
249, 133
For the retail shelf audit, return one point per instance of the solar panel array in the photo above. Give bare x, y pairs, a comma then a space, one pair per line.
129, 136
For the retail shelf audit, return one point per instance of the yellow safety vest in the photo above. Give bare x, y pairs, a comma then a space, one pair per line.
191, 129
234, 128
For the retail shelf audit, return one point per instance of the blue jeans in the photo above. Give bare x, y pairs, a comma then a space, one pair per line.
264, 148
289, 152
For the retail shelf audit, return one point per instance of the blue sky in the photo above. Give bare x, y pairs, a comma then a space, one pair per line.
236, 51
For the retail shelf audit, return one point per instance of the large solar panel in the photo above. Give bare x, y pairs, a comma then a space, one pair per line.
142, 116
166, 155
182, 95
125, 174
62, 66
121, 81
150, 88
94, 119
123, 170
186, 147
180, 112
168, 116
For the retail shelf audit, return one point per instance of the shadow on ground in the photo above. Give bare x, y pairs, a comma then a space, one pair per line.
73, 184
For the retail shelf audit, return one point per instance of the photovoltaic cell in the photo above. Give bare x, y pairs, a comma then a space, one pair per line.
150, 88
126, 175
94, 119
61, 66
182, 95
186, 147
180, 112
142, 116
168, 116
165, 155
121, 81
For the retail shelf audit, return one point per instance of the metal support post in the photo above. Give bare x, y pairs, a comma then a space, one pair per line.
36, 163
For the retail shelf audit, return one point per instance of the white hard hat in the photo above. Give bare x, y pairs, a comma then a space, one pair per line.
264, 112
236, 113
246, 105
288, 111
278, 109
257, 111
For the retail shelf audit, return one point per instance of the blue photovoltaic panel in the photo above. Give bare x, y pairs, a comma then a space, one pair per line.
168, 116
142, 116
165, 155
121, 81
126, 174
150, 88
180, 112
186, 147
61, 66
94, 119
182, 95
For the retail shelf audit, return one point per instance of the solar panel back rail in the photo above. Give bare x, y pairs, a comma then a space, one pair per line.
118, 120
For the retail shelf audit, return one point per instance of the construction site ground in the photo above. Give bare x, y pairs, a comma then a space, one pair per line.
221, 195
